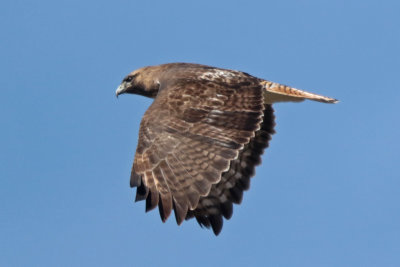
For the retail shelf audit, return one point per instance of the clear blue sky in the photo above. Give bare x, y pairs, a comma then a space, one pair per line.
327, 193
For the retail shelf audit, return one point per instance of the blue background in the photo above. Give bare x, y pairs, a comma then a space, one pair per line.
327, 193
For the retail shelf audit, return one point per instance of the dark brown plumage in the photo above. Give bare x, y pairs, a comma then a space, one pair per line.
200, 140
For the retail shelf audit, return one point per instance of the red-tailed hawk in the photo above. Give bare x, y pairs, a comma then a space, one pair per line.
201, 138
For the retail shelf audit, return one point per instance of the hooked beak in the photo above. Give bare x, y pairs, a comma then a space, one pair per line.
120, 90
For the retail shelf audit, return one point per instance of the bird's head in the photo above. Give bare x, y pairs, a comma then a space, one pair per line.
143, 81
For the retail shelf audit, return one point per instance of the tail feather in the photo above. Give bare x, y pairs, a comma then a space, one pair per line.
276, 92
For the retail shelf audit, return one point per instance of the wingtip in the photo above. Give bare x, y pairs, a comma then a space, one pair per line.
216, 223
135, 180
165, 206
180, 210
141, 193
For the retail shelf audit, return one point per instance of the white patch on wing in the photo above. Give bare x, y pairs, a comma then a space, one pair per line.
215, 74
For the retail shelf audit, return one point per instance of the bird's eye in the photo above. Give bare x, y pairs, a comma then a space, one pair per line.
128, 79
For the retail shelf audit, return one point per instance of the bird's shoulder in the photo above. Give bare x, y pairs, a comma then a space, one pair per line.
182, 74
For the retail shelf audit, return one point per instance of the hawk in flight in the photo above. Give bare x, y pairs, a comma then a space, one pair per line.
202, 136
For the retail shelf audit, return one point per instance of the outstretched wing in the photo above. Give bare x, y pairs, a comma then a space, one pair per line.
219, 202
190, 135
